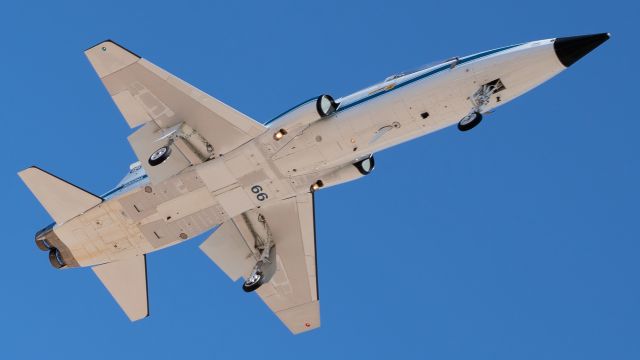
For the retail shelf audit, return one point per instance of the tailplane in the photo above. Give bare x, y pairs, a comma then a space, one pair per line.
126, 280
61, 199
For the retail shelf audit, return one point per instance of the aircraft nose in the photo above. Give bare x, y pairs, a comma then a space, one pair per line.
573, 48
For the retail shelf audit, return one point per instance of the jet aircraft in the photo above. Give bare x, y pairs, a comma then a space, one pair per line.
203, 164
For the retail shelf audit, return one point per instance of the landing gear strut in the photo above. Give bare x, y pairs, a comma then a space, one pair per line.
262, 270
185, 139
479, 99
265, 267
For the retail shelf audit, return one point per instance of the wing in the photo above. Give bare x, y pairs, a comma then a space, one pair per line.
126, 280
167, 106
292, 292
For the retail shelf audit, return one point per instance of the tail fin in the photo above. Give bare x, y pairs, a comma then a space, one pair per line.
61, 199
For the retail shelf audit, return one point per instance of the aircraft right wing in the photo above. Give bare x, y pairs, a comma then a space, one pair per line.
164, 104
292, 292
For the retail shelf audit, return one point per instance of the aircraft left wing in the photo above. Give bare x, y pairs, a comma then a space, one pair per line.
164, 104
292, 292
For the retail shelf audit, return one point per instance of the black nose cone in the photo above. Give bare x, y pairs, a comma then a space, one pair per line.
571, 49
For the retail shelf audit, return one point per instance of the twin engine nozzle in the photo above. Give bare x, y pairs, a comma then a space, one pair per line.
45, 241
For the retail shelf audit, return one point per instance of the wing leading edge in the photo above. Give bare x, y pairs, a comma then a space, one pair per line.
292, 292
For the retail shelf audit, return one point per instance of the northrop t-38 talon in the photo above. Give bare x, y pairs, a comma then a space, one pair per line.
204, 164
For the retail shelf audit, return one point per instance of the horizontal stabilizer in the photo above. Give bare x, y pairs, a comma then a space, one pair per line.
126, 280
61, 199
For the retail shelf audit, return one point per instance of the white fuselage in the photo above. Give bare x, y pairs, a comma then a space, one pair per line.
141, 217
441, 91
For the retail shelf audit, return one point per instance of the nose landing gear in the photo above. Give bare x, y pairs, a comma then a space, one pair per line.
470, 121
479, 99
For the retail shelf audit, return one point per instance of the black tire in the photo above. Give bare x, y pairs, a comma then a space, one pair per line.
470, 121
55, 258
159, 156
42, 245
249, 287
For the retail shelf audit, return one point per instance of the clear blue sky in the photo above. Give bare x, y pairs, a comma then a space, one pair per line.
517, 240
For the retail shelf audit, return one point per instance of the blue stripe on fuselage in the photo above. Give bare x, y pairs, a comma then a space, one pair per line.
124, 186
441, 68
290, 110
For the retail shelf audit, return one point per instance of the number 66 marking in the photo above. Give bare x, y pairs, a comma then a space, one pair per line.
257, 189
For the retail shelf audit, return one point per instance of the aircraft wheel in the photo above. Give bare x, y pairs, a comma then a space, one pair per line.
42, 245
470, 121
253, 282
160, 155
55, 258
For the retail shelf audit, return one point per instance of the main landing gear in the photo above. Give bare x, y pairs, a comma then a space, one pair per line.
187, 140
479, 99
159, 156
265, 267
262, 271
